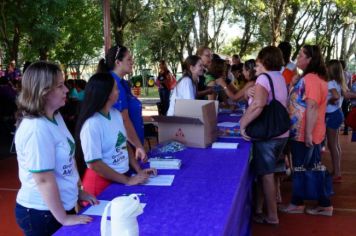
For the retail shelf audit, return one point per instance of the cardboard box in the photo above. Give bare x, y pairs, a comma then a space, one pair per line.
193, 123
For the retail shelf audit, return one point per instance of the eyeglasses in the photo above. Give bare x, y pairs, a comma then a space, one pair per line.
117, 52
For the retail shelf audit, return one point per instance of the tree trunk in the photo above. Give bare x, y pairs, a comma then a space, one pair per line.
246, 36
43, 54
290, 21
277, 11
118, 18
15, 44
203, 14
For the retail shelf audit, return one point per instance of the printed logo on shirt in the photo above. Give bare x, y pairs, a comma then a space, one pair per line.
71, 145
68, 168
121, 139
119, 157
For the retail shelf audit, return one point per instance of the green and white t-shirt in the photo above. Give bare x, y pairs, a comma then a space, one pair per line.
104, 138
44, 145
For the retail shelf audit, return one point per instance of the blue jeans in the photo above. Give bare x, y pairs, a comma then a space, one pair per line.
35, 222
302, 154
164, 95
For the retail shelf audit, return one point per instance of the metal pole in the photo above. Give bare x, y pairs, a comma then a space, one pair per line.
107, 35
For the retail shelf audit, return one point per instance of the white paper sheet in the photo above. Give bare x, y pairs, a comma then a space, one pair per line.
228, 124
160, 180
221, 145
98, 210
237, 115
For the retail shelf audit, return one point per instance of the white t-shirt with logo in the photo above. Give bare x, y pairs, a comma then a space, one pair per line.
333, 107
185, 89
104, 138
43, 145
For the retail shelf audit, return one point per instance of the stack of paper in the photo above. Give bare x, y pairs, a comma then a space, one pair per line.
160, 180
98, 210
160, 163
222, 145
229, 124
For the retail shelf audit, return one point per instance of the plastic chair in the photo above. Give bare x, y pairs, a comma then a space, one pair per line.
150, 131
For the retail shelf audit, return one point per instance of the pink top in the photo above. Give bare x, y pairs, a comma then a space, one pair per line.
280, 90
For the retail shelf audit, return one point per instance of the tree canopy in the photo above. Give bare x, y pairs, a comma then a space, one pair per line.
71, 31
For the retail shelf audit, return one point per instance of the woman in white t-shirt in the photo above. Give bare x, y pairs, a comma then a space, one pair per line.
334, 116
101, 138
186, 86
45, 152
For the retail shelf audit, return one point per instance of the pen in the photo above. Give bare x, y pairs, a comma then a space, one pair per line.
138, 194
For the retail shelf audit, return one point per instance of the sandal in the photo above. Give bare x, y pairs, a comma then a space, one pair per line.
322, 211
292, 209
261, 219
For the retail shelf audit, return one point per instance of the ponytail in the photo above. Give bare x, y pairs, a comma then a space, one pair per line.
102, 67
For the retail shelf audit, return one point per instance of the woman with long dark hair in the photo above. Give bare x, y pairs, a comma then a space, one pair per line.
119, 63
249, 73
101, 138
307, 106
187, 86
164, 81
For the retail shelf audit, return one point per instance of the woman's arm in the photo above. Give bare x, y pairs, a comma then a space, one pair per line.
132, 136
134, 164
211, 96
105, 171
335, 96
310, 120
256, 107
236, 96
349, 95
47, 186
203, 93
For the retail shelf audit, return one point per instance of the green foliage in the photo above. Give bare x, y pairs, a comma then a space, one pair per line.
71, 31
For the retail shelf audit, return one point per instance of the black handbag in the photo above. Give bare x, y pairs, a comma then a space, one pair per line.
273, 121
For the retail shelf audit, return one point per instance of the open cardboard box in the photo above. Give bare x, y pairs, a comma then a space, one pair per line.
193, 123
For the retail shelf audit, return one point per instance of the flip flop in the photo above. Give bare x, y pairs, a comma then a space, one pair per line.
261, 219
291, 209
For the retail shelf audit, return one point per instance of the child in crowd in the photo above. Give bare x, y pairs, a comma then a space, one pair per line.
101, 138
45, 152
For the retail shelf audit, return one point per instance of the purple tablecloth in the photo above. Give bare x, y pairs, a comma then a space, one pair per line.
210, 195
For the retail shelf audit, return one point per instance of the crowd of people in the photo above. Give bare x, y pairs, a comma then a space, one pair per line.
73, 158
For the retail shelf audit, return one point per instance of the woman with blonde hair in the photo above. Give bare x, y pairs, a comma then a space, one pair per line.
334, 116
45, 152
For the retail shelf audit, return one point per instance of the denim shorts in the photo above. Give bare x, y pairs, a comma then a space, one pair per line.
334, 119
267, 156
36, 222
